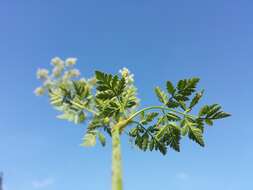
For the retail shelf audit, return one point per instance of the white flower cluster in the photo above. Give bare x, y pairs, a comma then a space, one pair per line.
42, 74
131, 89
70, 74
70, 61
58, 62
129, 77
62, 71
39, 91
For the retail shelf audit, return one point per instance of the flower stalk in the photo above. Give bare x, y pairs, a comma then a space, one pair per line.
116, 160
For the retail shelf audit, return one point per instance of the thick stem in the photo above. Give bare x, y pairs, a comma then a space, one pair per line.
116, 160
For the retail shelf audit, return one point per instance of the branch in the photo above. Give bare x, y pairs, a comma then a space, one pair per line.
161, 108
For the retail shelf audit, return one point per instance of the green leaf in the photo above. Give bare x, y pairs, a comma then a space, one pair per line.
196, 99
138, 141
183, 105
89, 139
209, 122
109, 86
200, 124
220, 115
185, 88
195, 134
170, 88
112, 109
72, 117
105, 95
162, 149
81, 89
172, 117
181, 97
100, 75
213, 112
101, 138
145, 141
174, 136
161, 132
172, 104
133, 132
66, 116
161, 95
119, 87
203, 110
149, 117
77, 104
213, 109
56, 98
181, 84
142, 115
151, 144
184, 130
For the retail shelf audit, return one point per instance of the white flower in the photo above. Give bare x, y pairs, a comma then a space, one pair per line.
70, 74
42, 74
66, 76
39, 91
74, 73
57, 71
124, 72
48, 83
92, 81
127, 75
83, 79
58, 62
130, 78
70, 61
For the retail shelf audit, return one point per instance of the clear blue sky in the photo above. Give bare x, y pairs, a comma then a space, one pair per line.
157, 40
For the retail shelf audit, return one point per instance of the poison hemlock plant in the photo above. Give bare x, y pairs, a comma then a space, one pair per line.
109, 104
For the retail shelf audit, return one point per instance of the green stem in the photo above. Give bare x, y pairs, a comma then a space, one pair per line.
116, 160
83, 107
157, 107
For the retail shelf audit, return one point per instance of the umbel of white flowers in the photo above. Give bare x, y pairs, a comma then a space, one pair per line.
63, 71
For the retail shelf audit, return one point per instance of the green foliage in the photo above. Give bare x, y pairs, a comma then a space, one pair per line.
109, 86
72, 99
171, 135
114, 97
175, 121
195, 134
107, 103
145, 119
102, 139
105, 100
179, 95
170, 88
161, 95
89, 139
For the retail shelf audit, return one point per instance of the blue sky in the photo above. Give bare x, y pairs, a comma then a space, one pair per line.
157, 41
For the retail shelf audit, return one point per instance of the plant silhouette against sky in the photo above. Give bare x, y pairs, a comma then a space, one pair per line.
110, 105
